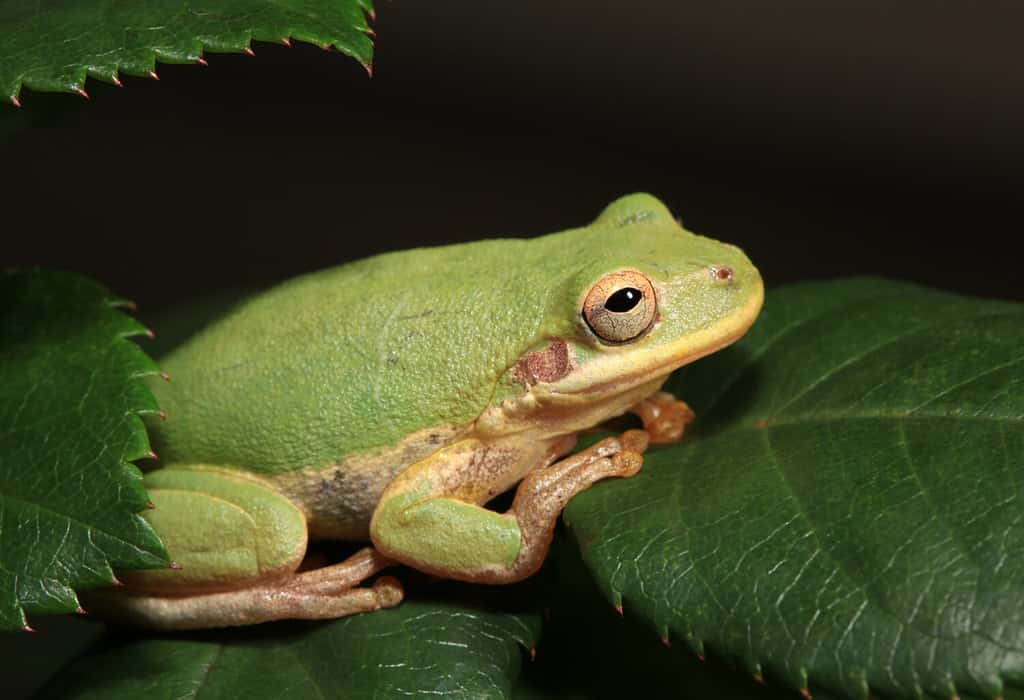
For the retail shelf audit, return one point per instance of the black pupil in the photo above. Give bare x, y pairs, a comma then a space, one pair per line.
623, 300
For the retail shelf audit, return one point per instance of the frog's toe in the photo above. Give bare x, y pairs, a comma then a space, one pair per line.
664, 416
389, 591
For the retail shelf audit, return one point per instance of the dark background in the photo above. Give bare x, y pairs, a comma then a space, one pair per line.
826, 139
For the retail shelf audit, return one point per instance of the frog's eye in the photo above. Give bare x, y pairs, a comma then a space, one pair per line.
620, 307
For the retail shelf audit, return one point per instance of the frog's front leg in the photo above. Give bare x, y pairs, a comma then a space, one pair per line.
430, 516
237, 545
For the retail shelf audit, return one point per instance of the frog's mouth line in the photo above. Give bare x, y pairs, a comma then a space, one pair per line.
626, 382
739, 323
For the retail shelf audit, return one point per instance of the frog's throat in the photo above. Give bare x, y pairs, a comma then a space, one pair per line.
609, 386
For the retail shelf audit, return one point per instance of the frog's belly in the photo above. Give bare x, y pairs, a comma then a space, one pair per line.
339, 500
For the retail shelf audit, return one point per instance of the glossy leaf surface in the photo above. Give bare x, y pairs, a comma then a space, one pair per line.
418, 649
69, 426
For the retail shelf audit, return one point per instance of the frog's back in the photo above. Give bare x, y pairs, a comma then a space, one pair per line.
348, 360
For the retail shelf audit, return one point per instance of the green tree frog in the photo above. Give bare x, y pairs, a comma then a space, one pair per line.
389, 399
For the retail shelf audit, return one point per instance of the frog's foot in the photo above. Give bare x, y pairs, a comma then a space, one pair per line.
543, 494
441, 534
664, 416
324, 593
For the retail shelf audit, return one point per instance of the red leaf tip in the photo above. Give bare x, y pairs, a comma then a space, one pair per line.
117, 82
248, 50
27, 628
286, 41
533, 653
618, 609
153, 75
82, 92
202, 61
174, 565
81, 611
15, 101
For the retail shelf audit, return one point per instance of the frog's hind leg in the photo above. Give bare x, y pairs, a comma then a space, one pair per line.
303, 597
238, 544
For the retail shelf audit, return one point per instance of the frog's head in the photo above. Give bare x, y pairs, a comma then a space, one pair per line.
631, 298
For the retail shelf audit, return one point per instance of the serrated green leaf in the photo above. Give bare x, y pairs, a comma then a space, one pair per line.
589, 652
849, 511
53, 45
72, 393
418, 649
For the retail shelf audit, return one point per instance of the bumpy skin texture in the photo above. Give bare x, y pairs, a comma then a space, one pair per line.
389, 399
363, 355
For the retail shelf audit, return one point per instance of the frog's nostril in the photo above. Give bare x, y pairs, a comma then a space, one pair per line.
722, 274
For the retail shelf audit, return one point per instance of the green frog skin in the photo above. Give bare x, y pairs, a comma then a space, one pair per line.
387, 400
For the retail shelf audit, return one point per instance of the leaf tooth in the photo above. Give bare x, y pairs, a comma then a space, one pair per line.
132, 328
153, 75
803, 683
81, 91
140, 446
696, 646
15, 101
120, 303
286, 41
665, 636
202, 61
